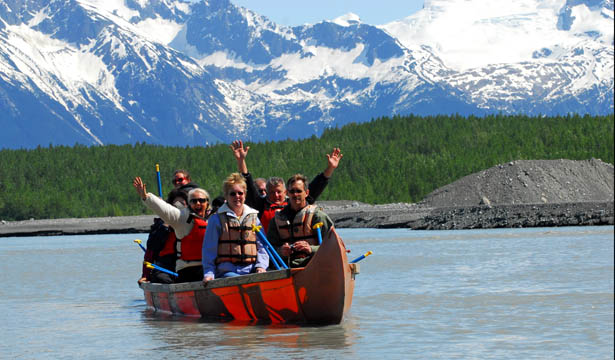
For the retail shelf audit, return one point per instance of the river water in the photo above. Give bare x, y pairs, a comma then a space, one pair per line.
540, 293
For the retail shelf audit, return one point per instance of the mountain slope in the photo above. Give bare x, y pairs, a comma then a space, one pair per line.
178, 72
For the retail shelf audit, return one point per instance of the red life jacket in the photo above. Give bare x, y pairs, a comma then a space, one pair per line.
189, 248
269, 213
169, 245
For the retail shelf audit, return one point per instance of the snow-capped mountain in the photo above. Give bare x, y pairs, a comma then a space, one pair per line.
522, 56
180, 72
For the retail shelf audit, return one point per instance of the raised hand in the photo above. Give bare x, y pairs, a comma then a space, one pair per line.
239, 151
240, 154
333, 161
139, 185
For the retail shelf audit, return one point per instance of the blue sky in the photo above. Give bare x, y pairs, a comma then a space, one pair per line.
298, 12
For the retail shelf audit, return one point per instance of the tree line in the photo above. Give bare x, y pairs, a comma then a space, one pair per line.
390, 159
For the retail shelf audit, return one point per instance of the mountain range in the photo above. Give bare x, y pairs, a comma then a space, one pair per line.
178, 72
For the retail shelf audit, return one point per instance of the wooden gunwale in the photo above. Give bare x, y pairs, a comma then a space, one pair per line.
220, 283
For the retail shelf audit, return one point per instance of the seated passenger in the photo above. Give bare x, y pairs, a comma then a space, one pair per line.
230, 247
291, 230
161, 244
261, 186
181, 177
189, 224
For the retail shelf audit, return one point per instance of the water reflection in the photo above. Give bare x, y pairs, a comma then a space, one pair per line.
175, 333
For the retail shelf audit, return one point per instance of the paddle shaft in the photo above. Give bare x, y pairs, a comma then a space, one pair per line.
159, 182
139, 243
277, 260
361, 257
317, 227
154, 266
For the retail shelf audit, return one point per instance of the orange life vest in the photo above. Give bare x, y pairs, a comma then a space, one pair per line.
237, 242
189, 248
269, 213
300, 229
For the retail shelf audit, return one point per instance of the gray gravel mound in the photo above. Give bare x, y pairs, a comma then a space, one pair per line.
524, 193
529, 182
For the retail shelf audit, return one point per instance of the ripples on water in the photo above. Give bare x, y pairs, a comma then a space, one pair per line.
510, 293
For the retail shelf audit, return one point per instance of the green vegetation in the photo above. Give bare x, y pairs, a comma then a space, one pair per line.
399, 159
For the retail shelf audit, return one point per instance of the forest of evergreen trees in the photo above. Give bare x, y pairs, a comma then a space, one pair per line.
399, 159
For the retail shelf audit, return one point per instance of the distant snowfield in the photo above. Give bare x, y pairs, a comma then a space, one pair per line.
156, 29
159, 30
473, 34
464, 34
34, 51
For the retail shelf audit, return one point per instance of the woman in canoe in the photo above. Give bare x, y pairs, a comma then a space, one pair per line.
189, 225
231, 247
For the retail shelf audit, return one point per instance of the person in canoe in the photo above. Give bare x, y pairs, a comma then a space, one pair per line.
230, 247
276, 194
161, 243
189, 224
291, 231
261, 186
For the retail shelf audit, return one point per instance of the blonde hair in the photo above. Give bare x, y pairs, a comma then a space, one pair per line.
232, 180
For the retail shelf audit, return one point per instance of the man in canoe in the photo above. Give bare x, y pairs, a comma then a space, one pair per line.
276, 194
261, 186
189, 224
291, 231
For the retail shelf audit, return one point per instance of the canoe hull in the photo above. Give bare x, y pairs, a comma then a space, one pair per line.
320, 293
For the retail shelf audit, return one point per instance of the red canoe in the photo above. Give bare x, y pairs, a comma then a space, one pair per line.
319, 293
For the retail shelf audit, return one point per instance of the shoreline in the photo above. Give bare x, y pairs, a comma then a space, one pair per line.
352, 214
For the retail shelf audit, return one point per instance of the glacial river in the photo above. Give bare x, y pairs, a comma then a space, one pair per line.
542, 293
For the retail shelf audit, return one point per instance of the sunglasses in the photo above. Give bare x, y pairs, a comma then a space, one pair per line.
233, 193
178, 180
201, 201
295, 191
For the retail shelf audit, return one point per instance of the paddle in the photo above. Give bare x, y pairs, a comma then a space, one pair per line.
277, 260
317, 226
139, 242
149, 265
159, 182
361, 257
154, 266
273, 260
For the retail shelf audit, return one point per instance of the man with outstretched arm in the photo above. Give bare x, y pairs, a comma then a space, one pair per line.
276, 197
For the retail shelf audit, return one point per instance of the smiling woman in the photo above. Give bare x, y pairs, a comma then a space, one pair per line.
231, 247
189, 224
